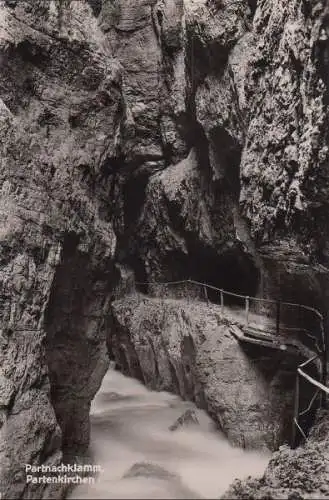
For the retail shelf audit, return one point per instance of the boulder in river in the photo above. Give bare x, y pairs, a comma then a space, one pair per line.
154, 471
146, 469
188, 418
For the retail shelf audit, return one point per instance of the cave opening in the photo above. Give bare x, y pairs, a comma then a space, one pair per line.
233, 271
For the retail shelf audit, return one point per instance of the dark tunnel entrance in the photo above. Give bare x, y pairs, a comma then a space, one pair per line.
233, 271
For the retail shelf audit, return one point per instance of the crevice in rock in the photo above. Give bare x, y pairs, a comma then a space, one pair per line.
76, 342
227, 152
253, 6
280, 373
138, 266
134, 197
33, 54
204, 59
96, 6
123, 352
307, 8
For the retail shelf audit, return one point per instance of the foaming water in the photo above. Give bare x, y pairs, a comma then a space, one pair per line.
130, 425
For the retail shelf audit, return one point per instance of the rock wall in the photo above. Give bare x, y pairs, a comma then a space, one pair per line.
186, 347
60, 105
159, 140
242, 99
300, 473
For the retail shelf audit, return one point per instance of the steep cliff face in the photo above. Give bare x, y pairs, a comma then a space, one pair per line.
183, 217
284, 162
248, 94
186, 347
60, 106
146, 141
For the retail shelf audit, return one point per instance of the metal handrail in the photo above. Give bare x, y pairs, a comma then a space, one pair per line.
319, 387
314, 382
232, 294
247, 300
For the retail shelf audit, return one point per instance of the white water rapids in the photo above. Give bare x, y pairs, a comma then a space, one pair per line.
130, 425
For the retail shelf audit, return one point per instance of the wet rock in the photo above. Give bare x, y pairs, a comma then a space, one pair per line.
292, 474
156, 472
187, 419
145, 469
179, 351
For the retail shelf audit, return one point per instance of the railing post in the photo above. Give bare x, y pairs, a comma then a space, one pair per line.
278, 314
247, 310
324, 363
300, 320
187, 295
296, 414
222, 301
206, 294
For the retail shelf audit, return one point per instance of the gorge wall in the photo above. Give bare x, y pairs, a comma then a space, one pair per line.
186, 347
300, 473
146, 141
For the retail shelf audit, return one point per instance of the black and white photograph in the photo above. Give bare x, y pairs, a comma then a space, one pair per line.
164, 249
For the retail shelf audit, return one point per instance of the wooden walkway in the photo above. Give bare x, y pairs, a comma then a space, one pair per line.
266, 340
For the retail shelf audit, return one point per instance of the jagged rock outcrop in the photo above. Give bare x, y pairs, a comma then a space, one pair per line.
158, 473
145, 469
188, 349
285, 156
188, 418
292, 474
60, 105
183, 228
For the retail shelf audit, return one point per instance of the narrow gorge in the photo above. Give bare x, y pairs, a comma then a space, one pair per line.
149, 142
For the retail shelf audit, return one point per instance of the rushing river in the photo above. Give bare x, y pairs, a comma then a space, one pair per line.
130, 425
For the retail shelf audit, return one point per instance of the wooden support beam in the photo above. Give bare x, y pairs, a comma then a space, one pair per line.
247, 310
313, 381
278, 315
324, 363
206, 294
296, 413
